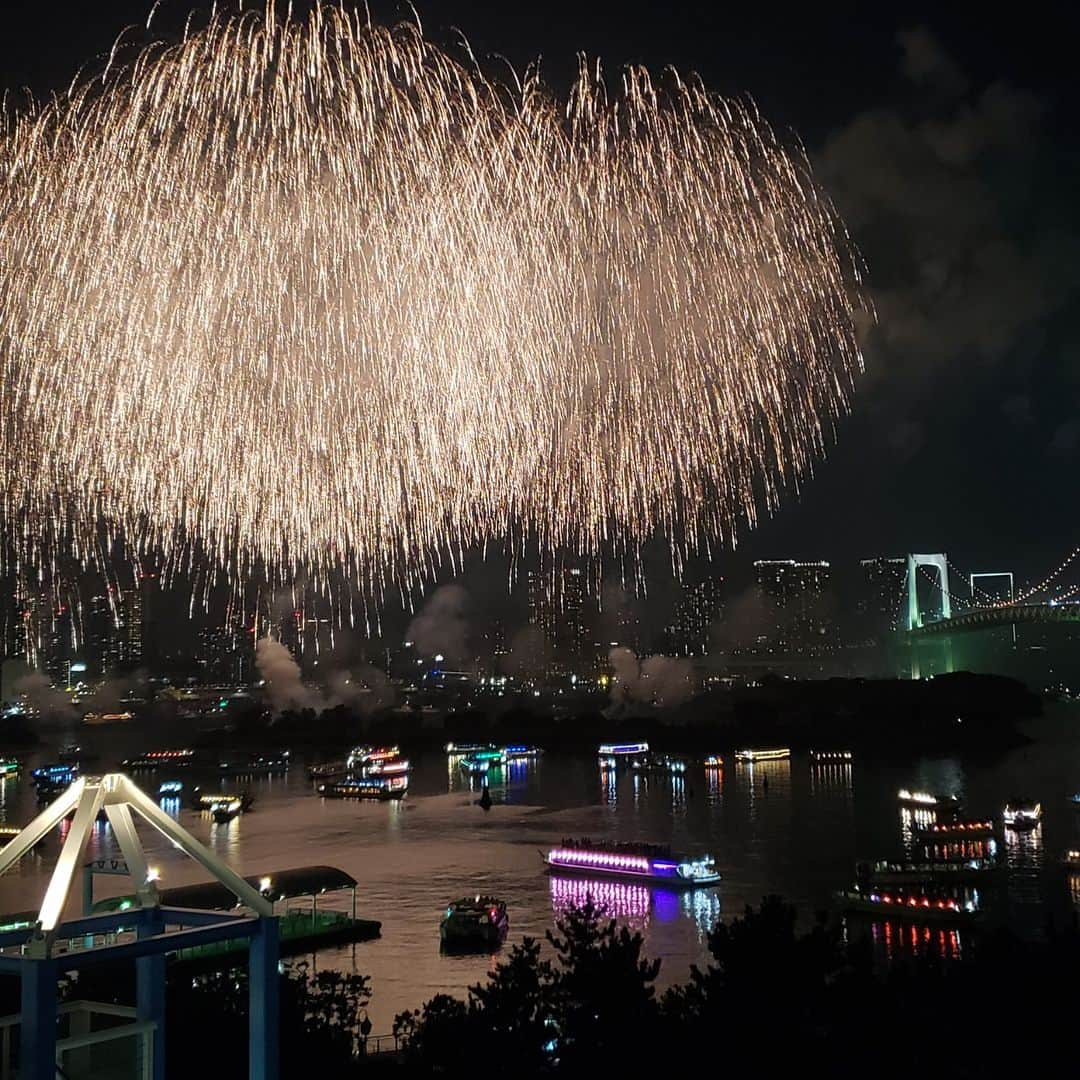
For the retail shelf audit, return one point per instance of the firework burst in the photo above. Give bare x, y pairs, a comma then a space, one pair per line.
312, 295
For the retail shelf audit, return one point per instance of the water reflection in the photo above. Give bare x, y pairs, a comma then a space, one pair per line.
714, 786
831, 778
1074, 887
171, 804
703, 907
894, 939
225, 838
609, 787
1024, 859
620, 899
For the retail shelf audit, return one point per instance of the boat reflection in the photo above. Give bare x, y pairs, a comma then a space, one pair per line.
609, 787
1073, 880
714, 786
831, 778
1024, 858
897, 940
620, 900
703, 906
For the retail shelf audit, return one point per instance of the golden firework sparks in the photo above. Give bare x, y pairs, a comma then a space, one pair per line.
312, 295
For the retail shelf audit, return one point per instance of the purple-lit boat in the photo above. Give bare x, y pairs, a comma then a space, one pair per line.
636, 862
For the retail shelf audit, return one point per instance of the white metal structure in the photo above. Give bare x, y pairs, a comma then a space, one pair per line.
118, 796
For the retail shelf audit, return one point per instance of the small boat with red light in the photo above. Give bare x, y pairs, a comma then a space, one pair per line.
474, 922
916, 905
650, 863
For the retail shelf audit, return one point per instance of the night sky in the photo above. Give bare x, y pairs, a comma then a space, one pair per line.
948, 142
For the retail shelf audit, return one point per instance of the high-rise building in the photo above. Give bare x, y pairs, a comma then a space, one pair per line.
880, 605
98, 631
125, 651
570, 628
699, 606
793, 594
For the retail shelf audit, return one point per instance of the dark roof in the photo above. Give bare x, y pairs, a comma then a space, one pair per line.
284, 885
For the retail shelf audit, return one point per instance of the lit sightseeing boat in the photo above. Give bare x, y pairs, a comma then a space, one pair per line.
831, 757
460, 749
204, 802
170, 787
641, 862
257, 765
1071, 859
481, 922
9, 766
911, 906
327, 770
108, 718
71, 752
57, 775
752, 756
8, 833
941, 832
363, 756
522, 753
926, 800
662, 763
155, 759
372, 787
478, 763
225, 809
714, 761
884, 872
1022, 814
611, 754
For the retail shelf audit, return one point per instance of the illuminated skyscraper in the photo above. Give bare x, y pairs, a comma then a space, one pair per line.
698, 607
793, 592
881, 601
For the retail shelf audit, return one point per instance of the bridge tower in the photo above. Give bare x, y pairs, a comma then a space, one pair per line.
940, 563
935, 562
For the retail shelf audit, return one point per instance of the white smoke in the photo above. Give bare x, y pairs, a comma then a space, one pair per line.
368, 691
442, 626
40, 694
661, 681
286, 689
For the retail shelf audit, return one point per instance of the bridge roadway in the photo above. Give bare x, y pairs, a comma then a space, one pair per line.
1006, 615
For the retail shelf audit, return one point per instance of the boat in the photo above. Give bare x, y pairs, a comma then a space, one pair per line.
170, 787
640, 862
52, 779
884, 872
658, 763
831, 757
108, 718
611, 754
478, 763
9, 766
1071, 859
478, 922
460, 749
914, 905
752, 756
373, 787
155, 759
926, 800
72, 752
714, 761
522, 753
257, 765
941, 832
327, 770
207, 801
8, 833
224, 810
1022, 815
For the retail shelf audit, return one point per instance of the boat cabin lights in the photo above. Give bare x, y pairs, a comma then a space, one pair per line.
776, 754
623, 749
1022, 811
714, 761
923, 798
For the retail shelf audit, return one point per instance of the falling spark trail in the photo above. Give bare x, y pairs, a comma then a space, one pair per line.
311, 297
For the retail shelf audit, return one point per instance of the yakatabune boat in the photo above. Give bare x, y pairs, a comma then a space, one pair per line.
477, 922
914, 906
374, 787
640, 862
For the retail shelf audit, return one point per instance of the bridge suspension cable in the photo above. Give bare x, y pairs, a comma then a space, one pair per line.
1024, 596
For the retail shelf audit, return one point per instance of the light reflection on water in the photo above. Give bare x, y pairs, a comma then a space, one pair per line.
798, 835
895, 938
